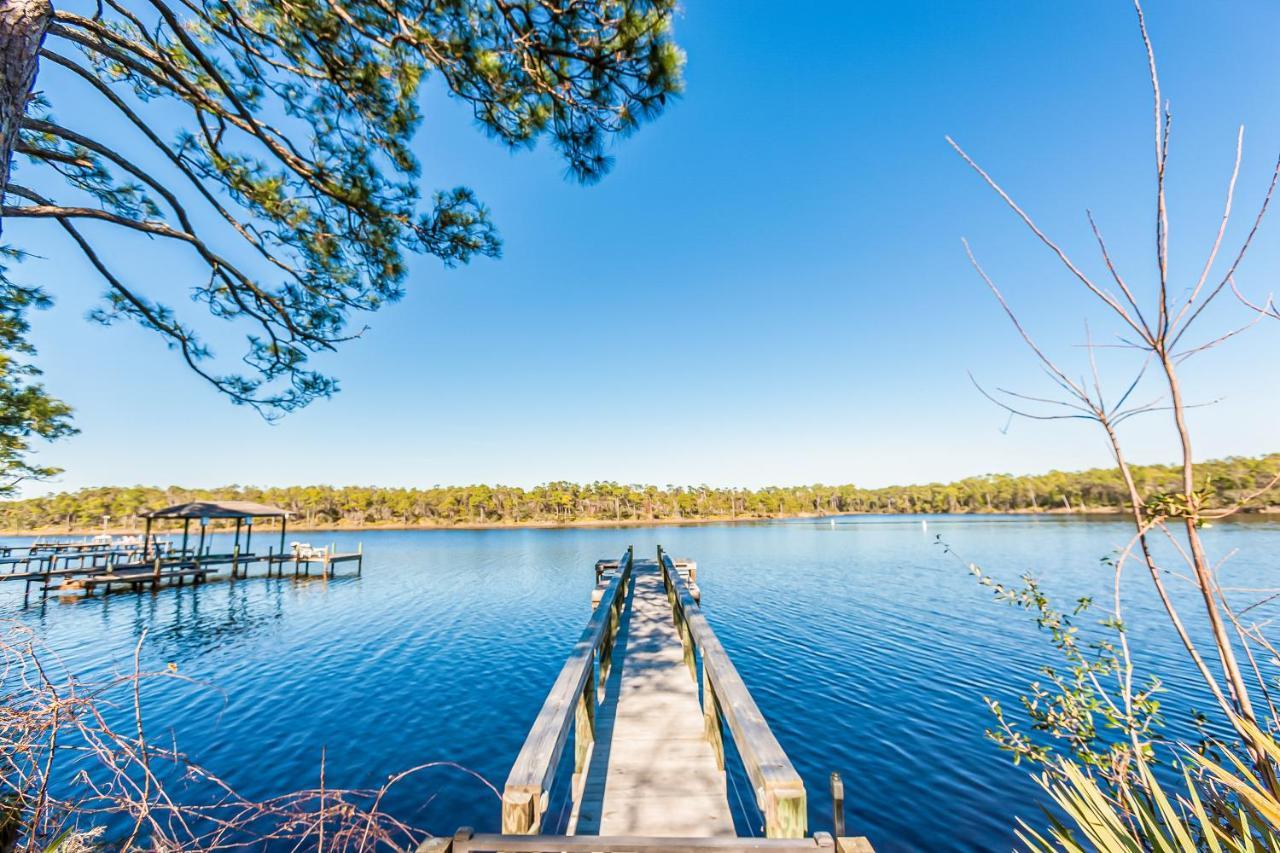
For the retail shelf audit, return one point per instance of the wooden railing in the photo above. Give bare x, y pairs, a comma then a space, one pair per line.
573, 696
778, 788
467, 841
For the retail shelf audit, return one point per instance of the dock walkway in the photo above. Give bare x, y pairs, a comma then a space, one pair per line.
652, 770
647, 693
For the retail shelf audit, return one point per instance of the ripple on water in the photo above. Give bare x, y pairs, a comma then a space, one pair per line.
867, 647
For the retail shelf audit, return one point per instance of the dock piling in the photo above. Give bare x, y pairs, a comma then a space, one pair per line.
837, 806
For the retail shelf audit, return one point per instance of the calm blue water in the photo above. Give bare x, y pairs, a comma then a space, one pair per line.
866, 646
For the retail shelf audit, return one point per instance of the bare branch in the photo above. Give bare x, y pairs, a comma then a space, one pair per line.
1044, 238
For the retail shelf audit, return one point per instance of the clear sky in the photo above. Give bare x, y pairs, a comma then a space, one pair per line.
769, 287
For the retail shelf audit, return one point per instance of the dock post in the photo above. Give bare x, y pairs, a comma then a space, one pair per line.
711, 719
155, 575
235, 560
686, 643
837, 806
584, 733
521, 812
785, 811
360, 559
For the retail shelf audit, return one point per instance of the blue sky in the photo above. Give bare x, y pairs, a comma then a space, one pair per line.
769, 287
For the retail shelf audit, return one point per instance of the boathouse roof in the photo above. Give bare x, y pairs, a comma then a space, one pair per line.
218, 509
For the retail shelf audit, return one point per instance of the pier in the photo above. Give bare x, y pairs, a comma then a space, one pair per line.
647, 696
147, 562
84, 571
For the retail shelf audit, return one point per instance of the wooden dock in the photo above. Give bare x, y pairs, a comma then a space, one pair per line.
67, 569
653, 772
647, 693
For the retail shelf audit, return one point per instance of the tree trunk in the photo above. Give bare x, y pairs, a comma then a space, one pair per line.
23, 24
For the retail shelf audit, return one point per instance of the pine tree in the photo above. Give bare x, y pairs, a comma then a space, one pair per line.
271, 139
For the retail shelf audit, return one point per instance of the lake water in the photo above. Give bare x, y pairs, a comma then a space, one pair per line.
867, 647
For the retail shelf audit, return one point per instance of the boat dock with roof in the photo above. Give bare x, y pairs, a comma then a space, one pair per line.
148, 562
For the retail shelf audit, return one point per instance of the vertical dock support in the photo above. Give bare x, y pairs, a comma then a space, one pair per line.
584, 731
521, 813
712, 724
785, 811
686, 643
837, 806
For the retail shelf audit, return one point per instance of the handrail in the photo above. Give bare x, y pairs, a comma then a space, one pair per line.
467, 841
573, 696
779, 789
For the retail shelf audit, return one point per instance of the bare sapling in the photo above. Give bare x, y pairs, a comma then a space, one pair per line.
1156, 317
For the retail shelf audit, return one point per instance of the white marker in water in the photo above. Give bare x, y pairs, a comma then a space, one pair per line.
924, 525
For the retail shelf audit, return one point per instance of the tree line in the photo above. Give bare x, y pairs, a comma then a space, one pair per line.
1094, 490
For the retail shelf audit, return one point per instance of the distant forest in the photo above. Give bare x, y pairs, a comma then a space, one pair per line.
1095, 490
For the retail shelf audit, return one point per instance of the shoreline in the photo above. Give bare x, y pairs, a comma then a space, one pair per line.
543, 524
587, 523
